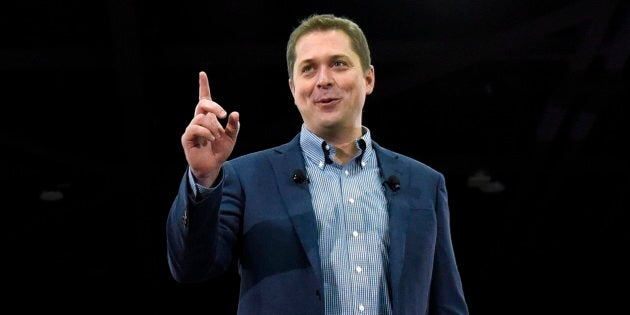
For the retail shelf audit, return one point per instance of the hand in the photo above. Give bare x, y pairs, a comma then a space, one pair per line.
207, 144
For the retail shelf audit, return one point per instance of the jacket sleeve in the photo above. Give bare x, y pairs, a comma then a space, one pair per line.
198, 248
447, 296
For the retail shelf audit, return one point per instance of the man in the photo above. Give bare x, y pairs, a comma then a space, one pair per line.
329, 223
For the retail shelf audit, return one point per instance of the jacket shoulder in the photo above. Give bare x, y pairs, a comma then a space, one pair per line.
413, 164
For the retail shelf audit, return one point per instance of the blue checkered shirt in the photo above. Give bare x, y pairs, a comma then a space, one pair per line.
353, 229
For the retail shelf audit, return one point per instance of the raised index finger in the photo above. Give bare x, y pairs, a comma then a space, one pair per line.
204, 87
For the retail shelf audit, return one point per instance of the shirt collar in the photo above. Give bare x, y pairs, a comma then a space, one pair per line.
321, 153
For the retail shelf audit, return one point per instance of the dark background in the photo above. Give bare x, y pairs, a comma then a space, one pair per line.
533, 93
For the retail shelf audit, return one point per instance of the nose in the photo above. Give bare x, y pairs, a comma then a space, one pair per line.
324, 78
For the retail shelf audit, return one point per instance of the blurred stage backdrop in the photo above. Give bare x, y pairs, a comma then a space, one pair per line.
523, 105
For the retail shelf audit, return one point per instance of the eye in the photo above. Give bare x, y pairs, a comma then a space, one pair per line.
307, 68
339, 63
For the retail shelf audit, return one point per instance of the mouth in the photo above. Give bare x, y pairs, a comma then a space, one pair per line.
326, 101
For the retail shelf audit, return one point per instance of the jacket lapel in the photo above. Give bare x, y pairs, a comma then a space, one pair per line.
297, 199
398, 208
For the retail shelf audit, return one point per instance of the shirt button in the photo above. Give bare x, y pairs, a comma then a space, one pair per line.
355, 233
351, 200
321, 164
361, 307
363, 163
358, 269
346, 172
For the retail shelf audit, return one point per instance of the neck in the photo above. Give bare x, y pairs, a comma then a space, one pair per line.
340, 137
343, 139
345, 144
345, 151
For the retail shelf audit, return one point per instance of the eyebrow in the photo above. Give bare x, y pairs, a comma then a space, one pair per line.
333, 57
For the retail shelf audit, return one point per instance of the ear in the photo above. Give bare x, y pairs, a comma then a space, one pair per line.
369, 80
291, 86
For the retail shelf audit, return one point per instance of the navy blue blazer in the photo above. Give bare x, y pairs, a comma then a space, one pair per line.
267, 220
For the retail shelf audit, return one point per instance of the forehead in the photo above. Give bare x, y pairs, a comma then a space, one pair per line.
317, 43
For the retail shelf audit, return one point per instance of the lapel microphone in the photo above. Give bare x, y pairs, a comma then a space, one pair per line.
299, 177
393, 183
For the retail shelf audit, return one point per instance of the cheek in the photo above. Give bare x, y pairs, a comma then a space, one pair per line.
302, 91
349, 84
300, 96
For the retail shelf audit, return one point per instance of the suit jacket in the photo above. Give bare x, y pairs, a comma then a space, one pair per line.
267, 220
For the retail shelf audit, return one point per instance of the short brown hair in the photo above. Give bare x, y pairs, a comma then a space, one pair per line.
324, 22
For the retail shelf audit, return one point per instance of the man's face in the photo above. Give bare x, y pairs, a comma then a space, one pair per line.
328, 84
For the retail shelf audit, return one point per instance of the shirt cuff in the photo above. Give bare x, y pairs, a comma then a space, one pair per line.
200, 191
